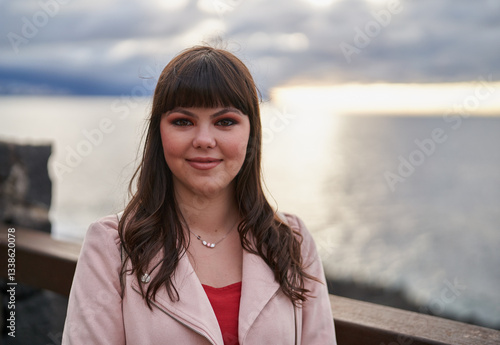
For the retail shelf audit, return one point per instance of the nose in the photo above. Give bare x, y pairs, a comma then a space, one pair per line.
204, 138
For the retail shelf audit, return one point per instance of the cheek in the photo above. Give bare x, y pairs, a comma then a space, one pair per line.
172, 148
239, 149
236, 148
244, 143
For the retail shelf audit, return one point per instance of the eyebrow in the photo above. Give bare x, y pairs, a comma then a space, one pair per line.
214, 115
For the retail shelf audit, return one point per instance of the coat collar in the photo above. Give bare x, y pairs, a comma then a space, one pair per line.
194, 309
257, 288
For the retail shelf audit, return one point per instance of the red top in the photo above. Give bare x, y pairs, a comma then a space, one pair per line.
225, 302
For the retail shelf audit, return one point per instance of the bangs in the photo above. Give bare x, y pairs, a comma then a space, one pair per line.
207, 80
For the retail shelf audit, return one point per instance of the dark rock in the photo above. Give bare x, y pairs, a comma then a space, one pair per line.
25, 185
35, 159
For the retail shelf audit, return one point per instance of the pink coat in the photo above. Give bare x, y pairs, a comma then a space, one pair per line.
98, 315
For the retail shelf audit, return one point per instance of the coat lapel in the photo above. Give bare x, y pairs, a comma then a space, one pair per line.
193, 308
258, 287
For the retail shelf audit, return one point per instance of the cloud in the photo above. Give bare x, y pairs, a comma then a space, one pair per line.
106, 44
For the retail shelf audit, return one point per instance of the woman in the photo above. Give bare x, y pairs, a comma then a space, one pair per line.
198, 255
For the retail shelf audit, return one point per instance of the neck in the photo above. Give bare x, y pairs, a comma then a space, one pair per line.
210, 215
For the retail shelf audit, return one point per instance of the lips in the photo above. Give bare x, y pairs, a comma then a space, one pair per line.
204, 163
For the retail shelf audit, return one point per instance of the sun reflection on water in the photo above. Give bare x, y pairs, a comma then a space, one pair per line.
476, 98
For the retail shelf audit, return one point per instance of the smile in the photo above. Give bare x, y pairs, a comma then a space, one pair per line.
204, 163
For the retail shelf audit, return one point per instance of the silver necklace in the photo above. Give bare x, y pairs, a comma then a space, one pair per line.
146, 278
208, 244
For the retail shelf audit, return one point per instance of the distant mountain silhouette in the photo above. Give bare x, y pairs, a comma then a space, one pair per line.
36, 82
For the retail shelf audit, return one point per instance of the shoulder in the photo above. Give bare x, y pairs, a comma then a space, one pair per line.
290, 219
104, 231
293, 222
296, 224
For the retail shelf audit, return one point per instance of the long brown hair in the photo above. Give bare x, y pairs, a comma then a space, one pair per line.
152, 222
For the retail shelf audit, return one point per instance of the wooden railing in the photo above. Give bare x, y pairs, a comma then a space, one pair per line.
44, 262
40, 261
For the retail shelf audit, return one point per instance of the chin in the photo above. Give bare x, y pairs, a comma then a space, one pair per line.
213, 188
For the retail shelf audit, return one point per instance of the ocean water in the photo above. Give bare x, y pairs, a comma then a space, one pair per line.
409, 203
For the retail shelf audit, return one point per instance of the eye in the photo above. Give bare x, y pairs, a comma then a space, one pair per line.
226, 122
182, 122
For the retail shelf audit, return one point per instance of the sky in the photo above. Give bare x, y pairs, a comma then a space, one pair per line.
111, 47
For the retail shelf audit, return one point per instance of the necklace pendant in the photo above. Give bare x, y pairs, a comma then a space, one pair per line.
145, 278
208, 244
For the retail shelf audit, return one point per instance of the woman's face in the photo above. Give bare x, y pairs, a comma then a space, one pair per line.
204, 147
